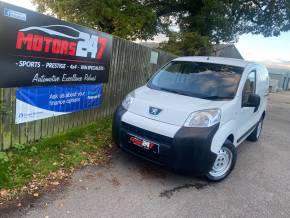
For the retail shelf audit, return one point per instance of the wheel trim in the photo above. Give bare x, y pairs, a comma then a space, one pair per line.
222, 163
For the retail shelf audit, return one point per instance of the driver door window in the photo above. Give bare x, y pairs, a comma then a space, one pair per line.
250, 87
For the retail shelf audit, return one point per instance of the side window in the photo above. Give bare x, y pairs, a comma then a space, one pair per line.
250, 86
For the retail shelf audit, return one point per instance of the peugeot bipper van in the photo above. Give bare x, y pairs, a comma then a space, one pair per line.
193, 113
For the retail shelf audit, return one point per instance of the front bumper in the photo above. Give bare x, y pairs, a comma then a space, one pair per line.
188, 151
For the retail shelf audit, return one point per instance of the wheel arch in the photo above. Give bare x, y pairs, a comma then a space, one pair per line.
231, 138
226, 132
264, 114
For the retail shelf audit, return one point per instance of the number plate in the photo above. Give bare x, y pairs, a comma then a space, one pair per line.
150, 146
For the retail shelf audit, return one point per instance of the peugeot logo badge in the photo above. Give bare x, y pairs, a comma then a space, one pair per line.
154, 111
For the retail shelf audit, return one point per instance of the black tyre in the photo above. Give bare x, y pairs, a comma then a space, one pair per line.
224, 164
255, 135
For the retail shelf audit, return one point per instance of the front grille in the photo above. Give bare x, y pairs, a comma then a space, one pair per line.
164, 143
151, 136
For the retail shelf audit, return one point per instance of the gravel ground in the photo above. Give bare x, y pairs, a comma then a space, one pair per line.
258, 187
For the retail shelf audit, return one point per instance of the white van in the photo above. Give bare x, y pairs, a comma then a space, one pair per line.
193, 113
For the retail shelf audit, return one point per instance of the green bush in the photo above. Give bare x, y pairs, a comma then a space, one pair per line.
18, 147
3, 158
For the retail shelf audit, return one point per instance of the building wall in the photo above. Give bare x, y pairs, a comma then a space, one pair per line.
280, 79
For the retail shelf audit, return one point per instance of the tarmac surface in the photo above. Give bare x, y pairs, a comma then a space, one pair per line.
259, 186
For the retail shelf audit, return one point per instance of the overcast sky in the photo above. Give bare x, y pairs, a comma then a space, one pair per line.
272, 50
22, 3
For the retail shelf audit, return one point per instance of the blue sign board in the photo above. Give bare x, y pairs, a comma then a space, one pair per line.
35, 103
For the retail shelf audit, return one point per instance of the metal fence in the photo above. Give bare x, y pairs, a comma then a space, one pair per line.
130, 68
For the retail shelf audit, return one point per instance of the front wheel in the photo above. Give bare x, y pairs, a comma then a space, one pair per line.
224, 163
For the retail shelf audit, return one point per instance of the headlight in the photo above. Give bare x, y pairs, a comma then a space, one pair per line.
204, 118
128, 100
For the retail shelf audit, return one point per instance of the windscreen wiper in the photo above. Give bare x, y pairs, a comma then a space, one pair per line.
172, 90
216, 97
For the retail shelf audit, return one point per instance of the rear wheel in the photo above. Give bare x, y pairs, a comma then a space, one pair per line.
255, 135
224, 163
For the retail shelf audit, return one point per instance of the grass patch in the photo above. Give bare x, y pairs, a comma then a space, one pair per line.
23, 163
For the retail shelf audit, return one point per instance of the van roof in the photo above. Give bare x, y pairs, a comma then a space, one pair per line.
216, 60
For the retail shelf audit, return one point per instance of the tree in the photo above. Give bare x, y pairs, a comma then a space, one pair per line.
128, 19
187, 44
217, 20
225, 20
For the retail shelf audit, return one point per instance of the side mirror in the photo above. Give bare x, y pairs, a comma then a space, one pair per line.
253, 101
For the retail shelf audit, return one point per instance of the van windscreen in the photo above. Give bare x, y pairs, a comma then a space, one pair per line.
197, 79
